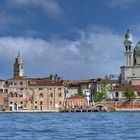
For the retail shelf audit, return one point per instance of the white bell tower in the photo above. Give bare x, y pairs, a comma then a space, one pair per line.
18, 66
128, 43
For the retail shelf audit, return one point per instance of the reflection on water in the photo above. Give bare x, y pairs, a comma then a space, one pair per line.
67, 126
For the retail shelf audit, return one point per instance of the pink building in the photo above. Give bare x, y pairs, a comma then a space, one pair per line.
34, 94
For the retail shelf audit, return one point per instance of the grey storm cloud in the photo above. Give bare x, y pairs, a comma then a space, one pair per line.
95, 53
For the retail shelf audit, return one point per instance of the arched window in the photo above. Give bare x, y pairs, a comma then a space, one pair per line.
60, 94
21, 95
129, 48
60, 102
41, 95
116, 94
126, 48
51, 95
15, 94
11, 94
135, 61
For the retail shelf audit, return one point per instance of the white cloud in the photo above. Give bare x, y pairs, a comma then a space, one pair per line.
97, 52
123, 4
51, 7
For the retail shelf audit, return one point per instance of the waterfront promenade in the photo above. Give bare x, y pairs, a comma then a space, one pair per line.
97, 107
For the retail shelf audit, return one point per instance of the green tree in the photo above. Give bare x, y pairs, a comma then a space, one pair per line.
101, 95
129, 94
98, 97
80, 92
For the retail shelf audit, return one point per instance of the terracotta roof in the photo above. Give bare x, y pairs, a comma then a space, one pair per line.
131, 87
75, 82
45, 82
108, 81
18, 78
77, 97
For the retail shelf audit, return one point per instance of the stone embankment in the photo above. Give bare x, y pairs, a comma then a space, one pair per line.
121, 106
106, 106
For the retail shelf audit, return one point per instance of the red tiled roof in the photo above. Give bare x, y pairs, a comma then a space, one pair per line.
44, 83
77, 97
108, 81
75, 82
18, 78
131, 87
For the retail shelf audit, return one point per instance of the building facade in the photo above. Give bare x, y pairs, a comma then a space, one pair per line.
30, 94
130, 72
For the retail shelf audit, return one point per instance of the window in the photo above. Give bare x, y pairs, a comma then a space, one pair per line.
35, 107
41, 95
41, 102
117, 94
15, 94
60, 102
21, 83
21, 102
11, 94
5, 90
138, 93
21, 88
11, 102
1, 90
129, 48
51, 95
40, 88
21, 95
15, 83
60, 94
50, 89
35, 102
50, 102
126, 48
59, 88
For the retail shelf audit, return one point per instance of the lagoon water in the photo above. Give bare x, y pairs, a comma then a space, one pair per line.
68, 126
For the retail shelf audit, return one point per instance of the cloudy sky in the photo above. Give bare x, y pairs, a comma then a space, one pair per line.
77, 39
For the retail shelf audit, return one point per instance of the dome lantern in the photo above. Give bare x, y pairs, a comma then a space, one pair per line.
128, 36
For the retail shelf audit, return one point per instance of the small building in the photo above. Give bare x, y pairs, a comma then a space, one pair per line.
76, 101
118, 92
71, 86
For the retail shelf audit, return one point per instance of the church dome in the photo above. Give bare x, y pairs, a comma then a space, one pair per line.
128, 36
137, 49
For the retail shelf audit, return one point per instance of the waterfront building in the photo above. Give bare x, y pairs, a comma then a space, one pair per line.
34, 94
76, 101
96, 85
130, 72
20, 93
118, 92
72, 86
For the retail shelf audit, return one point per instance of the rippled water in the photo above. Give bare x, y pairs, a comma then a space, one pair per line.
67, 126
